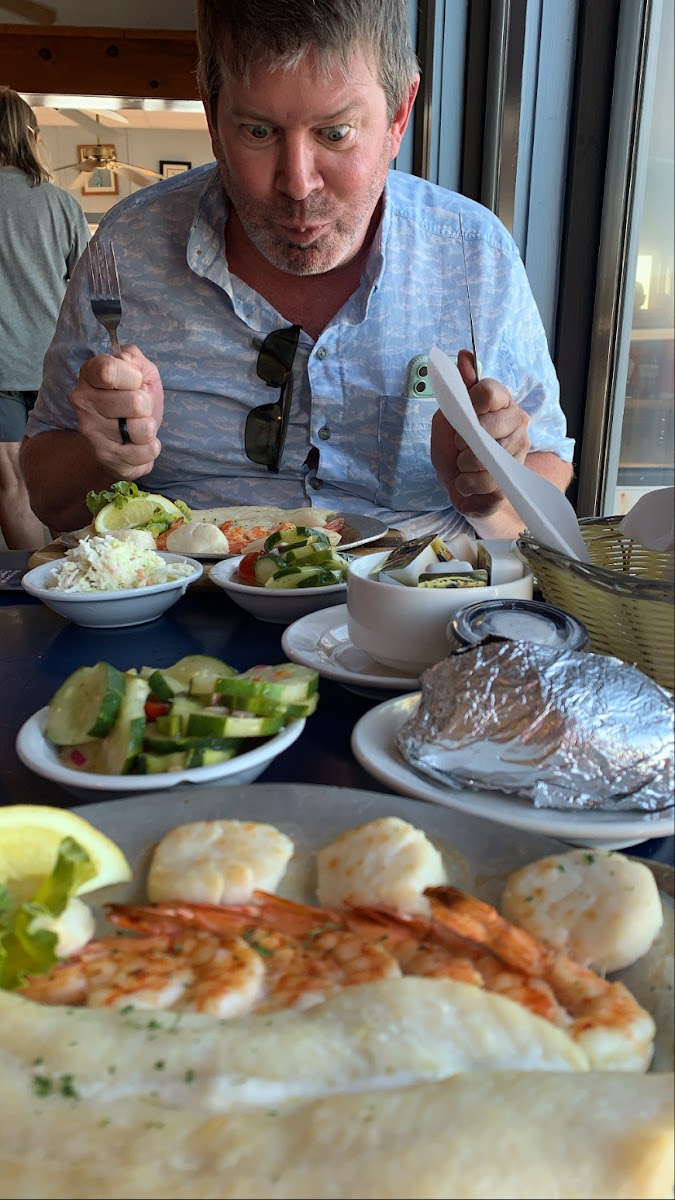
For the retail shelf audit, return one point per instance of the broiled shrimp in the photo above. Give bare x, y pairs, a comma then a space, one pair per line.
309, 953
239, 538
434, 951
224, 961
195, 971
604, 1018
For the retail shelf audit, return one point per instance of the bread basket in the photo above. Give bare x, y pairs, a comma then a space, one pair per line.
625, 596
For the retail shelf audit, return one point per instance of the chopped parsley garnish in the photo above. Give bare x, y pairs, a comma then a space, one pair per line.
42, 1085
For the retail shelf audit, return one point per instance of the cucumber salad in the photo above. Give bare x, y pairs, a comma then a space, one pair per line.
198, 712
297, 557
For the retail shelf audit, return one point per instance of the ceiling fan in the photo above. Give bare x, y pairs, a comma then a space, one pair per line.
103, 157
37, 14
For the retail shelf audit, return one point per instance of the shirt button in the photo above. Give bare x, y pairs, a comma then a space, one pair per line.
317, 484
324, 433
321, 353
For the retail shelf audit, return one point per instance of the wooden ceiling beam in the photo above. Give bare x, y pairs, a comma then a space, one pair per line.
99, 62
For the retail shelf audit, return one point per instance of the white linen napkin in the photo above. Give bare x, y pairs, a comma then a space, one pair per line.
651, 520
548, 514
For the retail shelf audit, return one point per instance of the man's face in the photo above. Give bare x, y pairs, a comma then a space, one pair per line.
303, 158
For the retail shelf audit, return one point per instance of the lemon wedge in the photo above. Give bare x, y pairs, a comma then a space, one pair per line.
134, 513
30, 835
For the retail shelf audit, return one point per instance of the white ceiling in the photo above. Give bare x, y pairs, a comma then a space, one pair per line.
115, 111
124, 14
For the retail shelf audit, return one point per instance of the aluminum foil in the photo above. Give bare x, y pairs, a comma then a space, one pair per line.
561, 728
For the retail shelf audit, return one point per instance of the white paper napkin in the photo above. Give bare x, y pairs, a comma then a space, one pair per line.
547, 513
651, 520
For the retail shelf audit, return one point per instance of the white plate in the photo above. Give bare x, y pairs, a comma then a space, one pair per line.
361, 530
39, 756
374, 745
321, 641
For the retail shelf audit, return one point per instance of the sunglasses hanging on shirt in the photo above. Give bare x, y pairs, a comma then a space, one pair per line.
267, 424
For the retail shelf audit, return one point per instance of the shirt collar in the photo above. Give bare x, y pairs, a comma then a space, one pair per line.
206, 246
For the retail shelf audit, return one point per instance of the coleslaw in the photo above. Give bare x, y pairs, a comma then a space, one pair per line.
105, 564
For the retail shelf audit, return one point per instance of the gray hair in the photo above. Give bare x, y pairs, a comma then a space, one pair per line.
236, 35
18, 132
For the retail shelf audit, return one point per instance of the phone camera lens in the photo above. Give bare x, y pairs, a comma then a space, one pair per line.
423, 372
419, 387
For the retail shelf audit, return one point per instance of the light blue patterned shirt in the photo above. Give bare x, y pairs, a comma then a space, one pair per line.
203, 327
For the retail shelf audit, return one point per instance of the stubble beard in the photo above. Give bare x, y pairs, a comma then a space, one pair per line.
347, 224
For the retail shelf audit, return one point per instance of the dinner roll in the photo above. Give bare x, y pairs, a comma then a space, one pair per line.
387, 863
598, 907
197, 537
218, 862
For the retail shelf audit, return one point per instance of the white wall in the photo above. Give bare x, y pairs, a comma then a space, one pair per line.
142, 147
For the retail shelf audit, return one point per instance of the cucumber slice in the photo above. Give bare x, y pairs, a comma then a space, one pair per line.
225, 725
299, 533
165, 686
265, 567
285, 684
86, 705
304, 577
203, 683
180, 760
168, 745
169, 725
186, 667
321, 579
158, 764
263, 707
206, 758
182, 707
123, 744
292, 576
312, 554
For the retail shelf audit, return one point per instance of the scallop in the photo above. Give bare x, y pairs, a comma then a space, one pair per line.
598, 907
218, 862
386, 863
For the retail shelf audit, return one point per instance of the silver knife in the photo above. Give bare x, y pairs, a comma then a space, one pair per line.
468, 297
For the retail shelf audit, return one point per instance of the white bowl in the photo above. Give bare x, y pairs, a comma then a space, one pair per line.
110, 610
405, 628
280, 605
38, 754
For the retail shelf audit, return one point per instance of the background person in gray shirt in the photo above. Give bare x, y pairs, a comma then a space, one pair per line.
42, 234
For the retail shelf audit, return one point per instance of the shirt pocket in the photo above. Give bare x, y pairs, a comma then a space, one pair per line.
407, 478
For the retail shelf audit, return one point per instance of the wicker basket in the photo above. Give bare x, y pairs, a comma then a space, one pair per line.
626, 606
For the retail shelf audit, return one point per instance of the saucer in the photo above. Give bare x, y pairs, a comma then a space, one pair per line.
320, 640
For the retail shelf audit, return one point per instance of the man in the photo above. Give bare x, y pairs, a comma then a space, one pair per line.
301, 260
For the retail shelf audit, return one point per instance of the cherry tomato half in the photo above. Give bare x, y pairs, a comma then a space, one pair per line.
246, 568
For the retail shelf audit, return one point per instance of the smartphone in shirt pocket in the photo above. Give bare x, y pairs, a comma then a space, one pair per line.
417, 381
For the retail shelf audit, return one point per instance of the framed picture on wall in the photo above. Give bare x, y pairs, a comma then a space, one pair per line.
169, 169
102, 181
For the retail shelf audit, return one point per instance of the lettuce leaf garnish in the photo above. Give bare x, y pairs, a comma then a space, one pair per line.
117, 495
27, 951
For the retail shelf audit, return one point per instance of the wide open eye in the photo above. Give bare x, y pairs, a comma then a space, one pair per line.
336, 133
258, 132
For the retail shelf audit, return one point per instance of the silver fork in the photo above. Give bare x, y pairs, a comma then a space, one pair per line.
106, 302
104, 290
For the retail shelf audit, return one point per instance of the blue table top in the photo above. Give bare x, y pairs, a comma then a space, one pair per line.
39, 649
